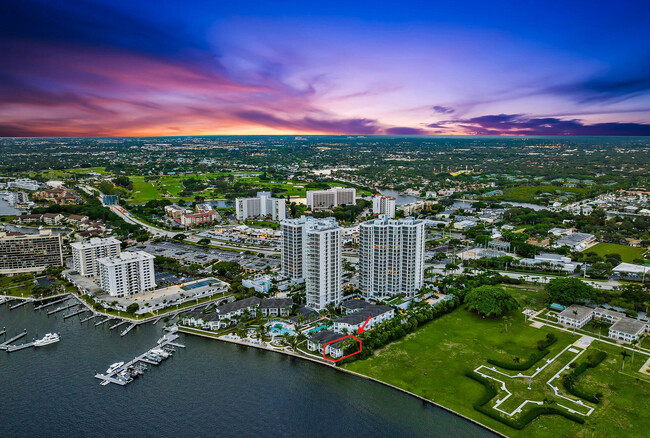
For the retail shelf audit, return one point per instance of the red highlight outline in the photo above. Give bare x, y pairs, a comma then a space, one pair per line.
340, 339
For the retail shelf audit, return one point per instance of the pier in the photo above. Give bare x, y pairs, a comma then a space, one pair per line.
3, 331
103, 321
128, 329
117, 325
89, 318
61, 309
43, 306
78, 312
15, 306
4, 300
5, 344
11, 348
125, 374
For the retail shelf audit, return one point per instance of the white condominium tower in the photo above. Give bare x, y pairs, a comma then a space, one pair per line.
86, 254
312, 250
321, 199
383, 205
391, 257
261, 206
127, 273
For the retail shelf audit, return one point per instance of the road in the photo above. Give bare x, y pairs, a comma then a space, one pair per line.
132, 220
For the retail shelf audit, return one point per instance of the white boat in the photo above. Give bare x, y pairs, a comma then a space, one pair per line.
114, 367
49, 338
160, 352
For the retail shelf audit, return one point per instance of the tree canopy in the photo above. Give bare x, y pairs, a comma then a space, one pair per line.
568, 291
490, 300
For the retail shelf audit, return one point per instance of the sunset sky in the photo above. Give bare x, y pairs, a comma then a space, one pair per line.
91, 68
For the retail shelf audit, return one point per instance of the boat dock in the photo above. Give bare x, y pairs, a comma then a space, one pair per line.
128, 329
3, 331
4, 300
15, 306
11, 348
43, 306
125, 373
89, 318
61, 309
117, 325
103, 321
78, 312
5, 344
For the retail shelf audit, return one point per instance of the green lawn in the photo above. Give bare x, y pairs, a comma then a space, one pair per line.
627, 253
432, 361
530, 193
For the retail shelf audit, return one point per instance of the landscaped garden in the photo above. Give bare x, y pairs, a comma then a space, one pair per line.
434, 360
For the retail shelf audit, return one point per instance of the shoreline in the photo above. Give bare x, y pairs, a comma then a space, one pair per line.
349, 372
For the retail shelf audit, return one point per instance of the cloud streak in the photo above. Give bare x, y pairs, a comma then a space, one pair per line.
520, 124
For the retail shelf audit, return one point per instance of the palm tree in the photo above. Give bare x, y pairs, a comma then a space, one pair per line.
625, 355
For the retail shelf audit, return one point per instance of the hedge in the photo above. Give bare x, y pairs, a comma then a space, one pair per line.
570, 379
523, 420
534, 358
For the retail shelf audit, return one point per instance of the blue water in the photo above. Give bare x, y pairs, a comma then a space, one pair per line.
210, 389
319, 328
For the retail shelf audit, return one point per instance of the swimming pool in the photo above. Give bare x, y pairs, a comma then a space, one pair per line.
319, 328
280, 328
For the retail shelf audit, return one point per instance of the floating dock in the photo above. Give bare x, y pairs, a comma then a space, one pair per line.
15, 306
11, 348
126, 373
78, 312
43, 306
128, 329
5, 345
61, 309
117, 325
89, 318
103, 321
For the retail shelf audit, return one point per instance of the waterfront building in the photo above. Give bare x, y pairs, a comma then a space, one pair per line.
261, 206
357, 316
383, 205
24, 184
333, 197
391, 257
127, 273
21, 253
312, 251
323, 263
85, 254
328, 340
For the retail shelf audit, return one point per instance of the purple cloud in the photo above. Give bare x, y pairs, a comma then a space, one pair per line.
310, 124
520, 124
443, 109
404, 130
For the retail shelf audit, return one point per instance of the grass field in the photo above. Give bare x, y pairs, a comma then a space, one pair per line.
170, 186
627, 253
432, 361
530, 193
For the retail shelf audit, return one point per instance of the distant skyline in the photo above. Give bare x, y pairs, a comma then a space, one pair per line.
155, 68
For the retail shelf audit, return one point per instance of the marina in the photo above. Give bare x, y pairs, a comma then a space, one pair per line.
121, 373
103, 321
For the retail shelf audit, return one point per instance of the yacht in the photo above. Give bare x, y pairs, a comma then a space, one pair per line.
49, 338
114, 367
